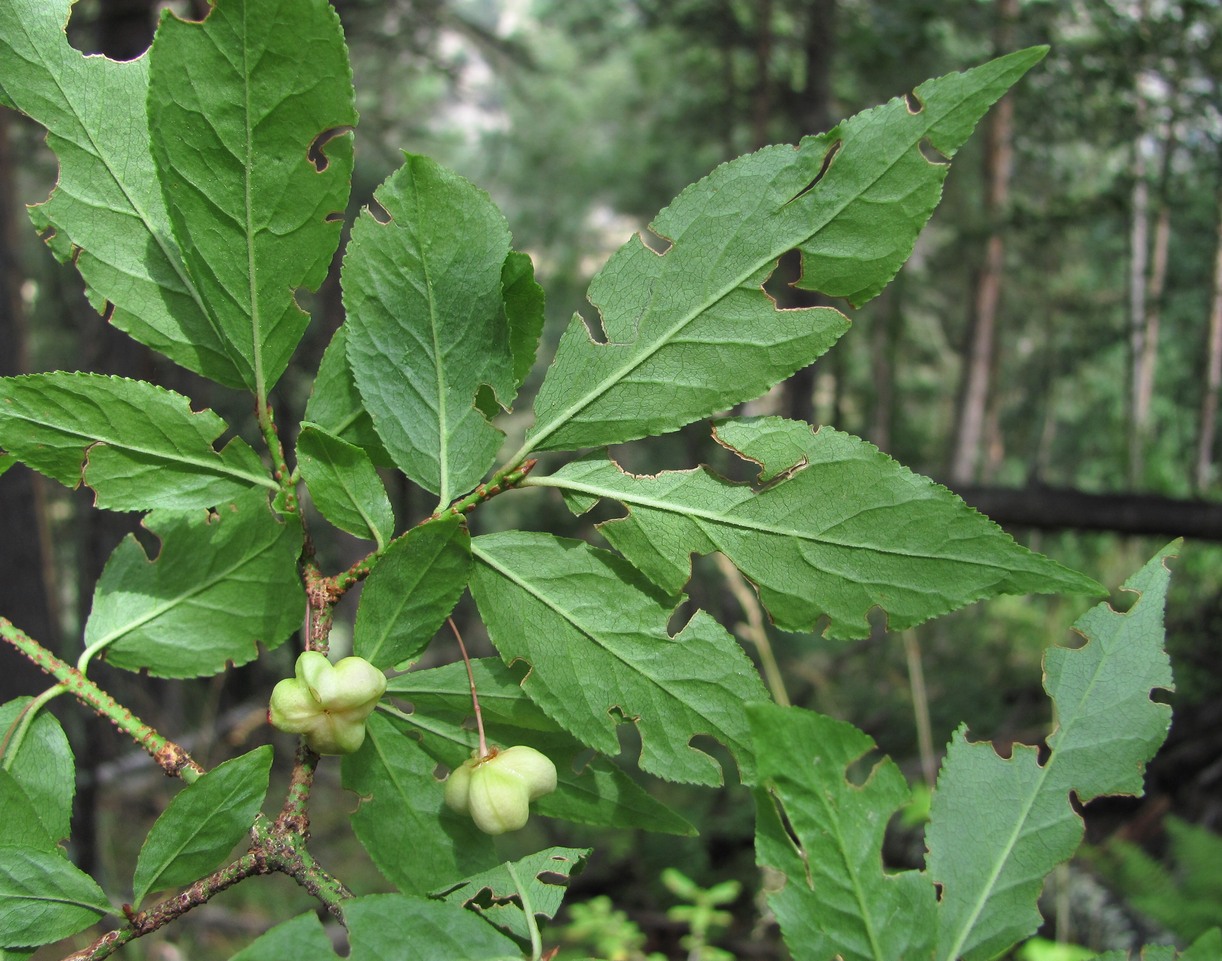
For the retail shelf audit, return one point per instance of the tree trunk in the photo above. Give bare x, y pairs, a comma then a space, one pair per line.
25, 564
1213, 373
885, 332
1043, 507
1139, 229
1147, 279
761, 110
810, 111
972, 415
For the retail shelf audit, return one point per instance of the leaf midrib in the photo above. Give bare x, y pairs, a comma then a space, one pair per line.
443, 425
742, 524
248, 226
88, 441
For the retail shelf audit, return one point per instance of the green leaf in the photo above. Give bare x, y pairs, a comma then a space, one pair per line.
302, 937
690, 331
825, 834
591, 790
380, 925
202, 824
544, 875
1205, 948
345, 485
106, 214
43, 767
595, 636
524, 303
998, 826
426, 327
44, 897
137, 445
21, 825
222, 584
847, 530
1153, 952
336, 406
402, 821
255, 160
411, 592
6, 461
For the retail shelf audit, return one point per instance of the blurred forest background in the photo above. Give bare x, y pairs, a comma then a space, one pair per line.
1053, 352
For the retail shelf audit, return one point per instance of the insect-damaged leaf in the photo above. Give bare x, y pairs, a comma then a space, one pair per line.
691, 332
544, 875
221, 584
586, 621
254, 156
847, 529
106, 214
836, 901
427, 328
137, 445
999, 826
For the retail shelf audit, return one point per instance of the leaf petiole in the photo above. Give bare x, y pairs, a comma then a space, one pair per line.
479, 718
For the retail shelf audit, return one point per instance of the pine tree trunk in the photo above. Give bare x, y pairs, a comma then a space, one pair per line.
1139, 245
810, 111
972, 417
1213, 373
761, 109
1147, 325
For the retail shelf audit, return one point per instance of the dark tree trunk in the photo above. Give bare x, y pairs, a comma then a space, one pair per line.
1041, 507
25, 584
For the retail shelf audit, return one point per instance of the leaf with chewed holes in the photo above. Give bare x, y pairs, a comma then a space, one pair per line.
223, 583
254, 155
106, 214
841, 529
137, 445
594, 633
690, 332
428, 325
998, 825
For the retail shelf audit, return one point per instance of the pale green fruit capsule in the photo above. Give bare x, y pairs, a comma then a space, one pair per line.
327, 703
496, 790
498, 799
535, 768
